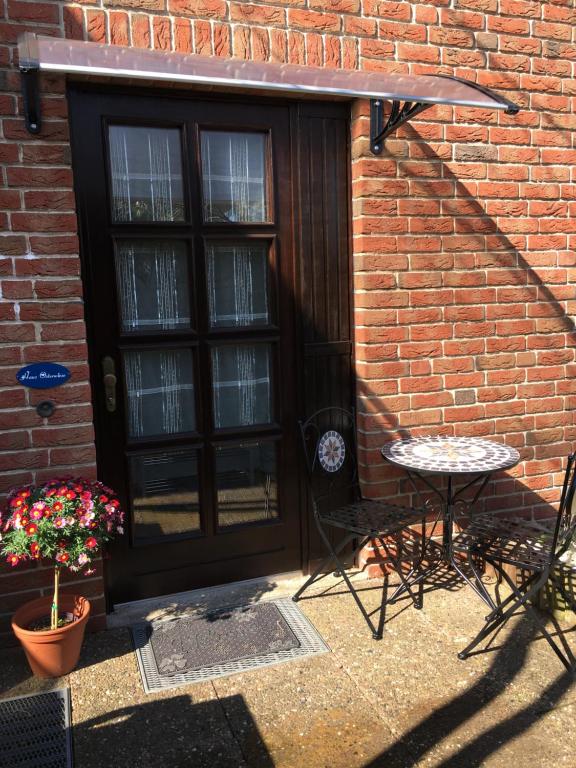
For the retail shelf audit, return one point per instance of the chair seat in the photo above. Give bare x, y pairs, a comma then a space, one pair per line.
509, 540
372, 518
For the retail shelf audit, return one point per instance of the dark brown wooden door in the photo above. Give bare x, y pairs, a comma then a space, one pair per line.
198, 219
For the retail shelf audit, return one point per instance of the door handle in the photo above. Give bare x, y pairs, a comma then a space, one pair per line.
109, 380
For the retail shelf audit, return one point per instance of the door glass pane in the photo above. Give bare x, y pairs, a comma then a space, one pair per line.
146, 172
237, 284
164, 488
234, 176
153, 284
242, 386
246, 484
160, 390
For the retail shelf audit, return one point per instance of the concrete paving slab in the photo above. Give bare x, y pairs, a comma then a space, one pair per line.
404, 701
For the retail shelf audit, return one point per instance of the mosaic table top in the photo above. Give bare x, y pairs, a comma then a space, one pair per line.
450, 455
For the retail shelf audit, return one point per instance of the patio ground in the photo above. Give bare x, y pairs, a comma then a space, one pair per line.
404, 701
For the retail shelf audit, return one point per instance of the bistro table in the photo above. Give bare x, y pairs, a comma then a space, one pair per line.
453, 458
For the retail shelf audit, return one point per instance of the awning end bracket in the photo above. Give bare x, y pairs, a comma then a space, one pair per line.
31, 97
397, 117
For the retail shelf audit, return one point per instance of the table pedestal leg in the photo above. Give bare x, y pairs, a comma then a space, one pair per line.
448, 524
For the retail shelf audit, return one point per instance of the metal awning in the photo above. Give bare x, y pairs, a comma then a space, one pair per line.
410, 94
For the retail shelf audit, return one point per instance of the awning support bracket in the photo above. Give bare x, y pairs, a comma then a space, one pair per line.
397, 117
31, 97
29, 69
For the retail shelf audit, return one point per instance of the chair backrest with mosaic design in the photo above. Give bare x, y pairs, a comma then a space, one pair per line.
329, 442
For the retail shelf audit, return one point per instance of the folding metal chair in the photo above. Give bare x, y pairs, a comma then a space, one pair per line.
329, 441
534, 550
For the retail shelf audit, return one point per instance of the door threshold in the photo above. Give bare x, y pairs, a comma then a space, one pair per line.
198, 602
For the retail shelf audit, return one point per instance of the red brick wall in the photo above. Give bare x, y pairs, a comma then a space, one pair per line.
463, 228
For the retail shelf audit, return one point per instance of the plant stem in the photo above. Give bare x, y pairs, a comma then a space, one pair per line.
54, 610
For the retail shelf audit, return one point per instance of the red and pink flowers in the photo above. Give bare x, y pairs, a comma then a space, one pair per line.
65, 520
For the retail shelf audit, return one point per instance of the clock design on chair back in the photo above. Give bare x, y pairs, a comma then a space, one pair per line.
331, 451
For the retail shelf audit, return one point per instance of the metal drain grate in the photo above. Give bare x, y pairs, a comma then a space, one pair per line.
35, 731
310, 644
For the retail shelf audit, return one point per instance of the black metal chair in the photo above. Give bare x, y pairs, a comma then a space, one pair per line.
534, 549
329, 440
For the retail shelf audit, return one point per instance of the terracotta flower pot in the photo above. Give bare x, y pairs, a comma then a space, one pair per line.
52, 652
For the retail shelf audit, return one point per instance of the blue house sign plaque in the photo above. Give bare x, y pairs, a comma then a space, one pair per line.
43, 375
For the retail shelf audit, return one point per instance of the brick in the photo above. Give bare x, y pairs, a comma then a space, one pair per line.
142, 5
96, 26
141, 31
49, 436
553, 31
38, 12
51, 311
313, 20
424, 15
376, 48
202, 37
162, 33
464, 19
511, 26
17, 289
423, 53
20, 176
73, 23
69, 457
182, 35
54, 200
20, 460
360, 27
337, 6
9, 199
451, 37
260, 44
210, 9
387, 10
241, 42
278, 45
349, 53
43, 222
118, 22
394, 30
257, 14
17, 332
332, 51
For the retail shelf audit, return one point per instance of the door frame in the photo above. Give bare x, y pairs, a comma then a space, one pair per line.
298, 166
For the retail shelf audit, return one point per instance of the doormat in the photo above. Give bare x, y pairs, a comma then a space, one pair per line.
223, 642
35, 731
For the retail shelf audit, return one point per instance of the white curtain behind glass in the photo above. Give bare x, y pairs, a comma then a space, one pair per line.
153, 284
145, 166
233, 170
160, 392
241, 381
237, 285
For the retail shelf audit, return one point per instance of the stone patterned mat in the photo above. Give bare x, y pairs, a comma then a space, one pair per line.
225, 641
